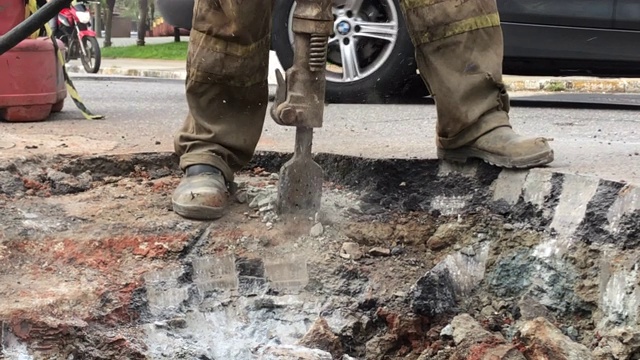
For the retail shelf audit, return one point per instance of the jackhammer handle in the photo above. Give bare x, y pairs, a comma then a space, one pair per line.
31, 24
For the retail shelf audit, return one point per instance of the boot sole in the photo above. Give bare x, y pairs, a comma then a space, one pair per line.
525, 162
196, 212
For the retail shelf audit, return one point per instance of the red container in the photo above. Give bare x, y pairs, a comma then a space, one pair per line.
32, 83
11, 14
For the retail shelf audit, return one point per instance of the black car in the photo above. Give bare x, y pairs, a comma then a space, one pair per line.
371, 54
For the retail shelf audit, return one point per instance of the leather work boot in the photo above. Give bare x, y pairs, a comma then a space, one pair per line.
503, 147
202, 194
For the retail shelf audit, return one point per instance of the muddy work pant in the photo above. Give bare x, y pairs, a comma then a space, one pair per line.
458, 46
459, 49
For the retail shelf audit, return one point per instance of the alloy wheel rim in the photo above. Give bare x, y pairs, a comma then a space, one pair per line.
365, 33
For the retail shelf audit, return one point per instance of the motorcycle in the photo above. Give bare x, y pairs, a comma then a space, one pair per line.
80, 41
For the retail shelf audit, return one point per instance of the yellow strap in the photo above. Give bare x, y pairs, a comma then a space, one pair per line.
27, 13
459, 27
32, 6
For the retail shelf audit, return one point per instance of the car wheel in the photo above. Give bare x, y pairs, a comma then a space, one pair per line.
370, 56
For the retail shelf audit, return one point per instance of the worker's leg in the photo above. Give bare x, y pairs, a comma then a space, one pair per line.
227, 94
459, 50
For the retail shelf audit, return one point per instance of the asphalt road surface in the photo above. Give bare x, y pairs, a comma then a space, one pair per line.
142, 116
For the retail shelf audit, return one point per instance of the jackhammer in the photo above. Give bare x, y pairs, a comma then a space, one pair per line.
299, 102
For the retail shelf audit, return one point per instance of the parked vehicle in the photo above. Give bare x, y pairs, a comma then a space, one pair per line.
371, 55
74, 31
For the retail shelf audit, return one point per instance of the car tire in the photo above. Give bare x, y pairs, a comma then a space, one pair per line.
389, 80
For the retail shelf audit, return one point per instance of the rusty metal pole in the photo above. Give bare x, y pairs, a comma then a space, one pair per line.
299, 102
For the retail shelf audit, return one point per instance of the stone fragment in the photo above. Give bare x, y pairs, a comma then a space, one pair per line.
468, 251
447, 331
487, 311
571, 332
266, 208
508, 227
348, 324
500, 352
474, 342
402, 329
454, 277
160, 324
437, 354
467, 328
290, 352
10, 184
380, 345
547, 279
321, 337
242, 197
351, 250
379, 251
618, 344
316, 230
263, 199
433, 294
531, 309
177, 323
445, 236
542, 340
63, 183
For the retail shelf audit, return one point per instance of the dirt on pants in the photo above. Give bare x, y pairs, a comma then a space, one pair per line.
459, 51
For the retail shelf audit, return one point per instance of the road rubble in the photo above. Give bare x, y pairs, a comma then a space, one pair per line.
407, 259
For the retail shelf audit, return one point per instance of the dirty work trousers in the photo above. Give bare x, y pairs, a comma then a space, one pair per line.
459, 51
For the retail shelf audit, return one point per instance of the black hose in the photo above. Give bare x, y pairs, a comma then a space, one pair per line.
32, 24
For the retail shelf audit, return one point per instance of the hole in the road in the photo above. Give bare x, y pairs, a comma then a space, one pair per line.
398, 252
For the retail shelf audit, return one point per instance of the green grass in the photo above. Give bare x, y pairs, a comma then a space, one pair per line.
168, 51
555, 86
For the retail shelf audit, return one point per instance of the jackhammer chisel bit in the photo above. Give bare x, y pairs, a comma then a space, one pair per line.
299, 102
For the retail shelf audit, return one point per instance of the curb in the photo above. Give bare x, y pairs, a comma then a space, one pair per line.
587, 85
101, 77
516, 84
79, 77
162, 74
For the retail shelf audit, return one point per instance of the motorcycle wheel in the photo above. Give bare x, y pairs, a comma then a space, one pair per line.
91, 61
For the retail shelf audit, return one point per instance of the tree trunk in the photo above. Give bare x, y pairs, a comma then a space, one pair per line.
142, 23
107, 27
176, 34
152, 11
152, 15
